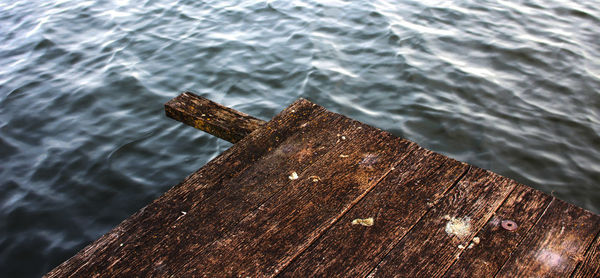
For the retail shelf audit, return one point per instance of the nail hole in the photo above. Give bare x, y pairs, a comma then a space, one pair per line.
509, 225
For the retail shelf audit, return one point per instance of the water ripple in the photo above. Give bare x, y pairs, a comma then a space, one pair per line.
511, 87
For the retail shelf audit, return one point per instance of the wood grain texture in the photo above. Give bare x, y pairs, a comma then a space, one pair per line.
136, 236
395, 204
428, 249
287, 198
524, 206
209, 116
210, 220
591, 266
555, 245
264, 242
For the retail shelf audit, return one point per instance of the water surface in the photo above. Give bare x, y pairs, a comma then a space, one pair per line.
510, 86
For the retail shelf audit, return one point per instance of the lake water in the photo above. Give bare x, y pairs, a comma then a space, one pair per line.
510, 86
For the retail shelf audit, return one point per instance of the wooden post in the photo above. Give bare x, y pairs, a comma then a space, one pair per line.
211, 117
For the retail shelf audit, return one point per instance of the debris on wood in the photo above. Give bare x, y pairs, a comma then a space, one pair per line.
364, 222
315, 178
343, 155
293, 176
183, 213
476, 240
460, 227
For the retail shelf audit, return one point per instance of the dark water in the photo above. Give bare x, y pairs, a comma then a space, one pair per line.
511, 86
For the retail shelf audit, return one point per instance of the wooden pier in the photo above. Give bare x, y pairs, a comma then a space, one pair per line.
314, 193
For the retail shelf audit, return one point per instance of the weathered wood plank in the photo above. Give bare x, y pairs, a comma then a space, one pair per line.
142, 231
591, 266
210, 220
435, 242
395, 204
209, 116
555, 245
265, 242
314, 193
493, 245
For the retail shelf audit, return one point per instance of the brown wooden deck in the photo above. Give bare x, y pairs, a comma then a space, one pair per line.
314, 193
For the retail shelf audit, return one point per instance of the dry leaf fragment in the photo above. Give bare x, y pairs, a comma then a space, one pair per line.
315, 178
364, 222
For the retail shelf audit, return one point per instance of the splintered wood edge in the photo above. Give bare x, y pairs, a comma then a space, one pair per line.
211, 117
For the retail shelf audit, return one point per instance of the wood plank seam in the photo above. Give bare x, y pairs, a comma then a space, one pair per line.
556, 245
290, 227
394, 159
288, 182
419, 253
193, 176
516, 247
587, 253
118, 232
339, 216
348, 251
317, 117
454, 184
487, 221
475, 233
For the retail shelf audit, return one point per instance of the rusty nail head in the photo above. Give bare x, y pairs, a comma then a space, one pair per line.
509, 225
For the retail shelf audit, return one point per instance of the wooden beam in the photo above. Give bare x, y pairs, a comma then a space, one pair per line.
590, 267
485, 256
134, 247
396, 204
209, 116
314, 193
432, 245
555, 245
